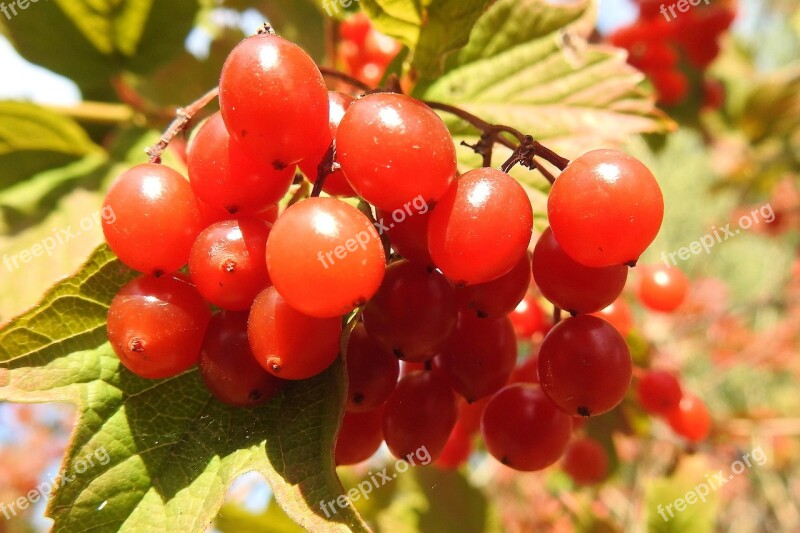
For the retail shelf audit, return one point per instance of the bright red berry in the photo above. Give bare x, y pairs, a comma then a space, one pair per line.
691, 419
659, 392
372, 371
360, 436
619, 315
662, 288
498, 297
586, 462
528, 318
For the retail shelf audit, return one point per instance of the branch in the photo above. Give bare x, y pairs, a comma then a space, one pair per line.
183, 117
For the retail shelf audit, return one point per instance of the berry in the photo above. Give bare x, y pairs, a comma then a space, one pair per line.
527, 371
286, 342
586, 462
619, 315
228, 262
584, 366
570, 285
156, 219
485, 209
325, 257
605, 209
409, 238
394, 149
274, 101
413, 313
659, 392
224, 177
691, 419
457, 450
528, 318
479, 356
523, 430
372, 371
420, 413
156, 326
470, 414
227, 366
672, 86
360, 436
662, 288
498, 297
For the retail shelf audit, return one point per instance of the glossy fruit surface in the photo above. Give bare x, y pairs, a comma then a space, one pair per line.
372, 371
409, 235
360, 436
528, 318
498, 297
586, 462
662, 288
691, 419
659, 392
619, 315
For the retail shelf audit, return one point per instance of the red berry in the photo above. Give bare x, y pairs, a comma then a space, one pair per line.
691, 419
395, 149
659, 392
227, 366
155, 219
586, 462
523, 430
619, 315
672, 86
325, 257
372, 371
484, 210
287, 343
457, 450
470, 414
228, 262
360, 436
408, 233
584, 366
274, 101
605, 208
156, 326
498, 297
528, 318
662, 288
527, 371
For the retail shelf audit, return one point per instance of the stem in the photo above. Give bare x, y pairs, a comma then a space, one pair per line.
348, 79
182, 119
325, 169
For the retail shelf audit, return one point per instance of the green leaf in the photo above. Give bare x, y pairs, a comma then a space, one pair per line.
526, 67
158, 455
33, 139
431, 29
661, 495
234, 519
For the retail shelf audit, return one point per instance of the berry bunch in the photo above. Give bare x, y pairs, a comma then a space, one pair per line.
674, 48
451, 304
660, 394
364, 51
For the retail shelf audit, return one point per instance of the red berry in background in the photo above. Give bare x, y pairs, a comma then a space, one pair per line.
713, 94
228, 262
662, 288
409, 235
672, 86
156, 326
584, 366
413, 313
479, 356
527, 371
481, 228
227, 366
335, 183
619, 315
274, 101
355, 28
470, 414
409, 367
586, 462
691, 419
155, 219
528, 318
286, 342
395, 149
420, 413
659, 392
457, 450
360, 436
224, 177
372, 371
523, 430
605, 208
499, 297
570, 285
325, 257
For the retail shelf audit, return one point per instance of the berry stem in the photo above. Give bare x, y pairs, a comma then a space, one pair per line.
325, 168
348, 79
183, 116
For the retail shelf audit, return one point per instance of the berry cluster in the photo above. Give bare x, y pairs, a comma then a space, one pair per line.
660, 394
365, 52
450, 304
674, 48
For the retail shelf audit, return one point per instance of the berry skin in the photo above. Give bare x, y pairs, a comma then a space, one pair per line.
470, 414
498, 297
586, 462
605, 209
409, 238
289, 344
662, 288
421, 412
413, 313
584, 366
527, 371
325, 257
156, 219
223, 176
335, 183
372, 371
528, 318
227, 366
523, 430
274, 101
619, 315
457, 450
691, 419
156, 326
659, 392
360, 436
394, 149
228, 262
484, 211
479, 356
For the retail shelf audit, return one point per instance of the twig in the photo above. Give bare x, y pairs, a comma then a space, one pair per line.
183, 117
